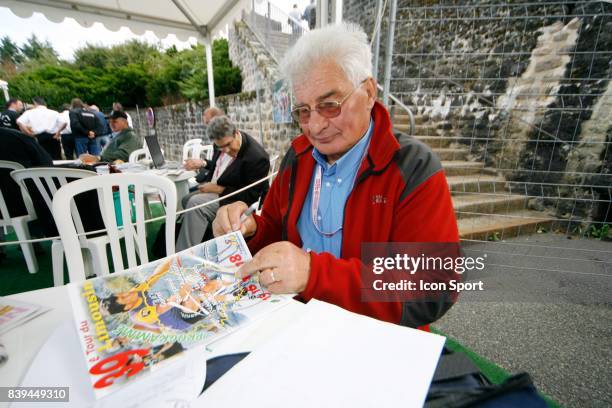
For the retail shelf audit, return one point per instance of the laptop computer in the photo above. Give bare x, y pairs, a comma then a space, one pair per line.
155, 151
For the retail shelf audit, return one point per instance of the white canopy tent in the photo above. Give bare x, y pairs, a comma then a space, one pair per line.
183, 18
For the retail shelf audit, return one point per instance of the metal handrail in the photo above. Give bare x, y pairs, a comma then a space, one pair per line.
399, 103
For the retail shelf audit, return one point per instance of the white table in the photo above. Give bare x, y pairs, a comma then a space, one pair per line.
181, 181
23, 343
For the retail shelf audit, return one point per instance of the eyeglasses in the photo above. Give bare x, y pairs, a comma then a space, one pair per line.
327, 109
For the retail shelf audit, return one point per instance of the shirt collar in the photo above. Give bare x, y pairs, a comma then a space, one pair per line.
348, 159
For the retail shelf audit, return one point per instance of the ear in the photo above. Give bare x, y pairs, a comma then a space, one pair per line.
372, 91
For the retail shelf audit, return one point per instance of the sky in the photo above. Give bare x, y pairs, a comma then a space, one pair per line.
68, 36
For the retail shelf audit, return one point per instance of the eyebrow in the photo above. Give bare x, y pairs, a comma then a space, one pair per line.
320, 98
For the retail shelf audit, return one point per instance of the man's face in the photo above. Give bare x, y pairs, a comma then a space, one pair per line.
334, 136
117, 125
229, 145
17, 106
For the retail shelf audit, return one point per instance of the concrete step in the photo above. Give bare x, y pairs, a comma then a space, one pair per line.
451, 153
436, 141
498, 227
488, 203
462, 168
424, 130
403, 118
480, 183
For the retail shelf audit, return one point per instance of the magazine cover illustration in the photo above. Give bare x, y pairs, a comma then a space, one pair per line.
131, 321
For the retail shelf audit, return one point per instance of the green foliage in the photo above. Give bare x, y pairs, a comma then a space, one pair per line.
9, 51
134, 73
604, 232
35, 50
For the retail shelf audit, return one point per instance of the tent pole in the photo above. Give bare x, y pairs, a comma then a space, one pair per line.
209, 69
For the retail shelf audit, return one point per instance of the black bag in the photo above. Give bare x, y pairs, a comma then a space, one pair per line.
458, 383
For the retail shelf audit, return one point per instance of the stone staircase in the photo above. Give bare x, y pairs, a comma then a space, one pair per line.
279, 42
484, 206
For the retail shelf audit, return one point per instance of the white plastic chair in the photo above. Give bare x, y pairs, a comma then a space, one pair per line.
188, 148
207, 150
48, 180
20, 223
141, 154
134, 235
137, 155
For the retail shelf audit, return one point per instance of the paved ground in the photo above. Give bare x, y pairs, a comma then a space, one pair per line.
546, 309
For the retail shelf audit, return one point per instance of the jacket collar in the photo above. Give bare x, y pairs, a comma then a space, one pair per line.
383, 144
244, 144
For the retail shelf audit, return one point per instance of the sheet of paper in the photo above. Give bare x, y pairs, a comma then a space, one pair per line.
14, 313
331, 357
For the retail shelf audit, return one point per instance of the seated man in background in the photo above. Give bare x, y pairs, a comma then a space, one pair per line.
120, 147
238, 161
25, 150
197, 163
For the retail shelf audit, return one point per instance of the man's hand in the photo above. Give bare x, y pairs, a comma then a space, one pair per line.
89, 158
228, 220
57, 136
91, 134
282, 267
211, 188
194, 164
26, 129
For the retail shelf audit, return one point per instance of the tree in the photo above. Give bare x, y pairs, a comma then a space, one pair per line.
93, 56
134, 73
9, 51
35, 50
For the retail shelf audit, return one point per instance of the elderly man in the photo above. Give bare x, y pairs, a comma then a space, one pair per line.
238, 161
345, 181
199, 164
120, 147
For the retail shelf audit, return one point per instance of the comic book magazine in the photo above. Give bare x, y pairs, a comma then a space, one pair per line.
132, 321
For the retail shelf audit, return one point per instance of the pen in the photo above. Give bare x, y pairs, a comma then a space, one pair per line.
249, 211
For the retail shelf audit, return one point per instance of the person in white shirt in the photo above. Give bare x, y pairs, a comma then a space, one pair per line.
295, 19
45, 125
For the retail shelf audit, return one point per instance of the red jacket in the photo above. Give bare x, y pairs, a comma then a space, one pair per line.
400, 195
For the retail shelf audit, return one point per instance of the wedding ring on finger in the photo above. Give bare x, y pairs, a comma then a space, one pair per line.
273, 279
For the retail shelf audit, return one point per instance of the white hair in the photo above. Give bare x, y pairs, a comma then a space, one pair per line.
346, 44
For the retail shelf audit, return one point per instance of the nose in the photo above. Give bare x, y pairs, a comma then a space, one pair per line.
317, 123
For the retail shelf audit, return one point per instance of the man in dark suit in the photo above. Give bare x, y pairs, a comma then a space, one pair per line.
239, 160
25, 150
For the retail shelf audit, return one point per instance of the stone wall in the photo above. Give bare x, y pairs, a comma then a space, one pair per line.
519, 84
259, 73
